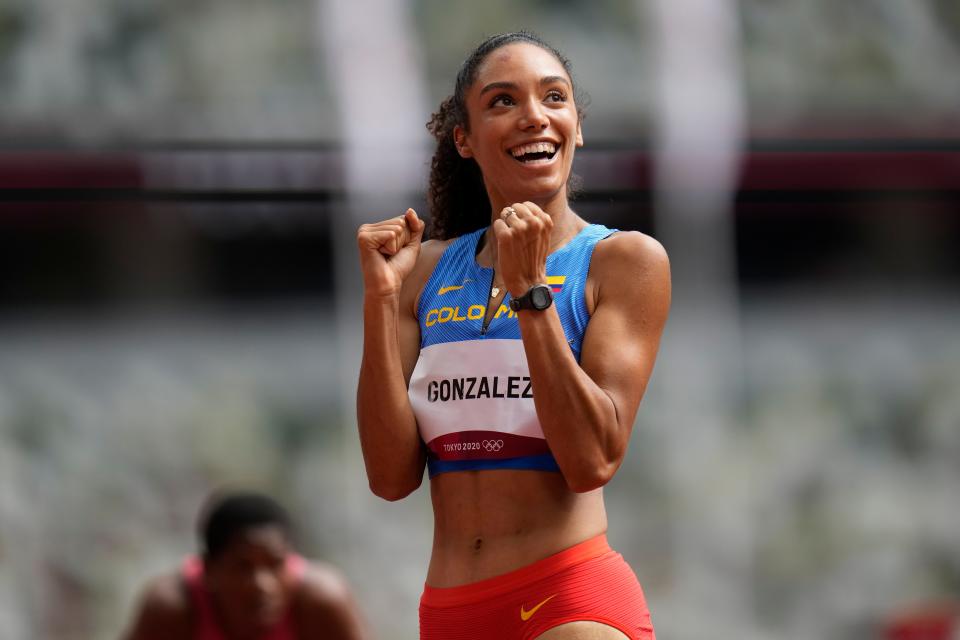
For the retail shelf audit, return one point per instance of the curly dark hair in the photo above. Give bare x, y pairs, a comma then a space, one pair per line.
457, 196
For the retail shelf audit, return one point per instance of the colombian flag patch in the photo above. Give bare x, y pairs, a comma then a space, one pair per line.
556, 283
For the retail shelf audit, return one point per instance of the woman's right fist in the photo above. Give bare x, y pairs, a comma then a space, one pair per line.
388, 252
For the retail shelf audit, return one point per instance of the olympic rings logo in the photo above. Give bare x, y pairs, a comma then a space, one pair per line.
492, 445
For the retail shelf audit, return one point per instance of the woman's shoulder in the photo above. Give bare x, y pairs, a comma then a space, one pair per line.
166, 595
623, 252
164, 609
431, 250
631, 264
430, 254
322, 583
323, 602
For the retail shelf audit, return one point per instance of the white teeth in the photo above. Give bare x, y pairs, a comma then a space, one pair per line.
533, 147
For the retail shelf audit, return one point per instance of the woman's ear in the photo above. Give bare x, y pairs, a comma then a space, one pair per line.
460, 141
579, 136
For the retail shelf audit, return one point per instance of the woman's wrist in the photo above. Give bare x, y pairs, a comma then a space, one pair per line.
520, 286
381, 297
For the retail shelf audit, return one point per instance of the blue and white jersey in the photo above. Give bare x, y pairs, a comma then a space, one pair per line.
471, 390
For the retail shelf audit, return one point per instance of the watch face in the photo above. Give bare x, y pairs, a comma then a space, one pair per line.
540, 298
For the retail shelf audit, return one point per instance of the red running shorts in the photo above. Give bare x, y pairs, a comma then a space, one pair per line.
587, 582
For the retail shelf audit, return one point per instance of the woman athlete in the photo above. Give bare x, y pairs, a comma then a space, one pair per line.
509, 354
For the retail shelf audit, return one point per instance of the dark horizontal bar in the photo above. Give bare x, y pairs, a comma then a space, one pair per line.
328, 196
820, 196
799, 145
47, 146
166, 195
811, 196
868, 145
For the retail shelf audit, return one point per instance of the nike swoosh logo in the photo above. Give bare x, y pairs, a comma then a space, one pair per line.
526, 615
443, 290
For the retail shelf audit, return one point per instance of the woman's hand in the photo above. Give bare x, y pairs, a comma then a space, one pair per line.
388, 252
393, 453
523, 235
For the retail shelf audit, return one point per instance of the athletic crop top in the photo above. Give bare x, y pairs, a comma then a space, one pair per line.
470, 390
206, 626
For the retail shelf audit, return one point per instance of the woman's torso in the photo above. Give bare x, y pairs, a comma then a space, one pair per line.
487, 523
499, 500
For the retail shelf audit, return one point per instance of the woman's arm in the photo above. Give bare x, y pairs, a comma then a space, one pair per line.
162, 612
587, 410
390, 256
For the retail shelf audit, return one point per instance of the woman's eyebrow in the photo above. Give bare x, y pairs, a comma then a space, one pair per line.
498, 85
513, 87
553, 80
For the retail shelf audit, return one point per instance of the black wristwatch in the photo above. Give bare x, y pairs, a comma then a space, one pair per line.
538, 297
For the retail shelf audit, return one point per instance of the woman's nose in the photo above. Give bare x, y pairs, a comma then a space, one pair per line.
534, 117
265, 582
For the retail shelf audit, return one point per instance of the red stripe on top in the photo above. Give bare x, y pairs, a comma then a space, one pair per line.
485, 445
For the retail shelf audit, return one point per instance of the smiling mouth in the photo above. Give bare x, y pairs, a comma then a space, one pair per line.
534, 153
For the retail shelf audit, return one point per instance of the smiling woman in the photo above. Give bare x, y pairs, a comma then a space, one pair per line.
508, 355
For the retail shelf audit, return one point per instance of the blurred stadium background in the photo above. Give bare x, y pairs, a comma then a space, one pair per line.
180, 183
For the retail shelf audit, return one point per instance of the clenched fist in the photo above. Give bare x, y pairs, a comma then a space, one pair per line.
523, 235
388, 252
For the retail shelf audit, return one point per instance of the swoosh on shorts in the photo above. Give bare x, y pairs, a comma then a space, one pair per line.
526, 615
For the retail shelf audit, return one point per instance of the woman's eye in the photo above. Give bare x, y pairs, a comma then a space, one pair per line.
556, 96
501, 101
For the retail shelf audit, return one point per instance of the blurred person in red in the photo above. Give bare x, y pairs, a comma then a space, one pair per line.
508, 355
937, 620
247, 584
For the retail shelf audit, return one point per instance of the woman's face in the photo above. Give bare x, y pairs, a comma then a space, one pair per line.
248, 579
523, 125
